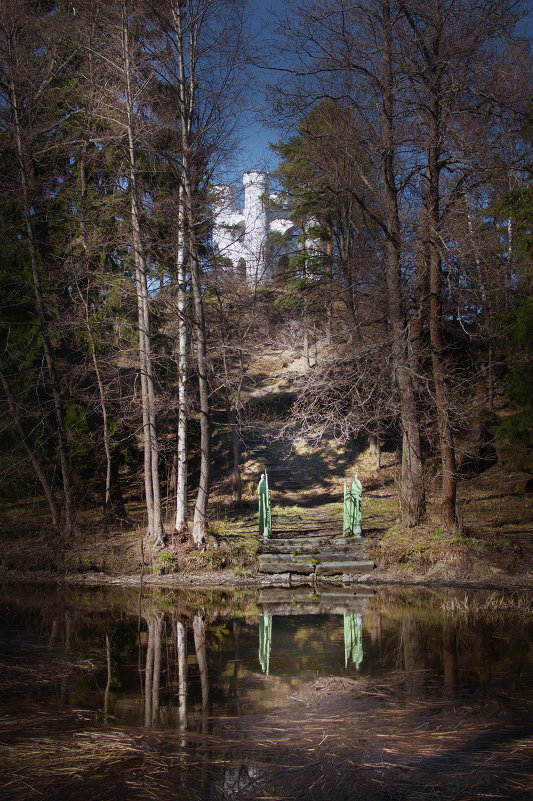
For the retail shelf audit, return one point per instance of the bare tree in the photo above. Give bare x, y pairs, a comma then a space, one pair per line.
25, 85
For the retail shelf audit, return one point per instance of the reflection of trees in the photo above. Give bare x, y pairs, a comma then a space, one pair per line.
449, 657
181, 650
198, 626
233, 694
152, 676
414, 655
67, 647
109, 676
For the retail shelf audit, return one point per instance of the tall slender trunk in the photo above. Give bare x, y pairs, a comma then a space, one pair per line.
69, 523
47, 489
446, 440
236, 478
181, 468
186, 109
151, 451
487, 309
199, 529
412, 492
106, 435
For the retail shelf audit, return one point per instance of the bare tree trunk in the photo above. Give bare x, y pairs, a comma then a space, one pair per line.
447, 448
101, 391
199, 529
412, 491
181, 467
236, 479
151, 453
47, 489
69, 524
186, 110
375, 449
487, 311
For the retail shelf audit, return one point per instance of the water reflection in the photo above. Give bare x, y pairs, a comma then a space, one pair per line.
353, 639
265, 642
184, 659
273, 670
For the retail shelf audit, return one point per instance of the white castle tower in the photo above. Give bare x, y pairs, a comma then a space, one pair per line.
255, 223
241, 237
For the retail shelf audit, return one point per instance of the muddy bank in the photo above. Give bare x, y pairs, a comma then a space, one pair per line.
229, 579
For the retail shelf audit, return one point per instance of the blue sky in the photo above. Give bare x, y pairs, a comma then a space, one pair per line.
254, 152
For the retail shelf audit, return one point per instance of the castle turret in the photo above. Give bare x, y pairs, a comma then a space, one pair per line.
255, 223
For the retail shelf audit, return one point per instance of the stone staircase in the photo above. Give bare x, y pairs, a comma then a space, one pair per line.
307, 546
313, 551
273, 457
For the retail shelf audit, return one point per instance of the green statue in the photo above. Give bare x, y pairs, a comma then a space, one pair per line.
352, 508
265, 517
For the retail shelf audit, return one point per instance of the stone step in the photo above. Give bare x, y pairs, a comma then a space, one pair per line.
314, 546
348, 567
328, 555
325, 564
294, 546
286, 563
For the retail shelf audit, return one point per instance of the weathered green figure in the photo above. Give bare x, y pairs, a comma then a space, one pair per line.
265, 515
352, 509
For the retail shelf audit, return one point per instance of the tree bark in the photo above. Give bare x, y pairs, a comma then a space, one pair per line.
47, 489
151, 451
446, 441
186, 110
412, 491
181, 466
69, 523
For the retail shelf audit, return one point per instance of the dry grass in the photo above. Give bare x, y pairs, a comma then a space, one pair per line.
344, 739
492, 606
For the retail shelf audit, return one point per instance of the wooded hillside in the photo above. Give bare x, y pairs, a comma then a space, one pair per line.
129, 350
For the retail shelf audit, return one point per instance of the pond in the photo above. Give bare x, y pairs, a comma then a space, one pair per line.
115, 692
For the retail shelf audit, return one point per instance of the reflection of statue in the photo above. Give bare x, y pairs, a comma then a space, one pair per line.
265, 520
353, 639
265, 642
352, 508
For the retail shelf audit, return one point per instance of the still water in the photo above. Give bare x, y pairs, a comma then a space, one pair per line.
369, 692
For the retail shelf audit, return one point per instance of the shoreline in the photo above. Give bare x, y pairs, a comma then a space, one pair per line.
228, 580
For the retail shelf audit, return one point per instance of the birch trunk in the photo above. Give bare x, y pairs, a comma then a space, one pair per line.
181, 467
186, 111
151, 454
